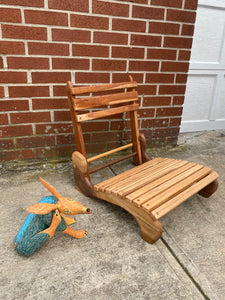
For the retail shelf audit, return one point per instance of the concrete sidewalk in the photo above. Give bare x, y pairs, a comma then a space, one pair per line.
113, 262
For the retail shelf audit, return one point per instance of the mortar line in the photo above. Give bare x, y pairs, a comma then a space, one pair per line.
196, 284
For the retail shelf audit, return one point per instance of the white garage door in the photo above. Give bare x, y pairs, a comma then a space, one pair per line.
204, 105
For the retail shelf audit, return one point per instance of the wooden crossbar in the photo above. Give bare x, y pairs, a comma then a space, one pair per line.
98, 101
105, 113
101, 88
109, 152
115, 161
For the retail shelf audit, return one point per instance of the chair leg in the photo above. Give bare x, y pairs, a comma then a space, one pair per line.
209, 189
151, 231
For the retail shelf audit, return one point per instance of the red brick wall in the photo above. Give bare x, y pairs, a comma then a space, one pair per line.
44, 43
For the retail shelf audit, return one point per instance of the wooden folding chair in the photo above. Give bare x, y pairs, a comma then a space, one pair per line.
152, 188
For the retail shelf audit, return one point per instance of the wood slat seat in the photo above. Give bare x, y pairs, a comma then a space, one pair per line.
161, 180
154, 186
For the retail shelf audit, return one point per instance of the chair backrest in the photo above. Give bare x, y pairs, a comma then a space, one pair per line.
114, 102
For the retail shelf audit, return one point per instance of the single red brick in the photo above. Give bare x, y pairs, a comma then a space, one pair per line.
128, 25
191, 4
108, 8
30, 117
181, 78
146, 40
184, 55
10, 15
166, 54
138, 1
172, 89
146, 89
120, 77
13, 77
178, 42
55, 151
37, 141
178, 100
68, 35
61, 116
164, 28
92, 77
2, 92
152, 123
156, 101
165, 132
46, 17
24, 32
90, 50
96, 147
106, 136
4, 119
1, 63
159, 78
33, 3
59, 90
181, 16
175, 121
50, 77
168, 3
48, 49
14, 105
6, 144
12, 47
71, 5
169, 112
89, 22
9, 155
127, 52
28, 91
54, 128
148, 13
12, 131
116, 125
174, 66
98, 125
27, 63
48, 103
26, 154
188, 29
110, 38
135, 65
146, 112
70, 63
109, 65
65, 139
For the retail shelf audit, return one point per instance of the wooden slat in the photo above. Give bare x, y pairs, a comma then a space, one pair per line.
156, 177
136, 195
153, 190
98, 101
164, 195
136, 181
116, 185
107, 112
183, 196
102, 185
109, 152
100, 88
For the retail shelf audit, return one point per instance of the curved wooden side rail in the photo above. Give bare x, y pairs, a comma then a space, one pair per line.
82, 179
151, 229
